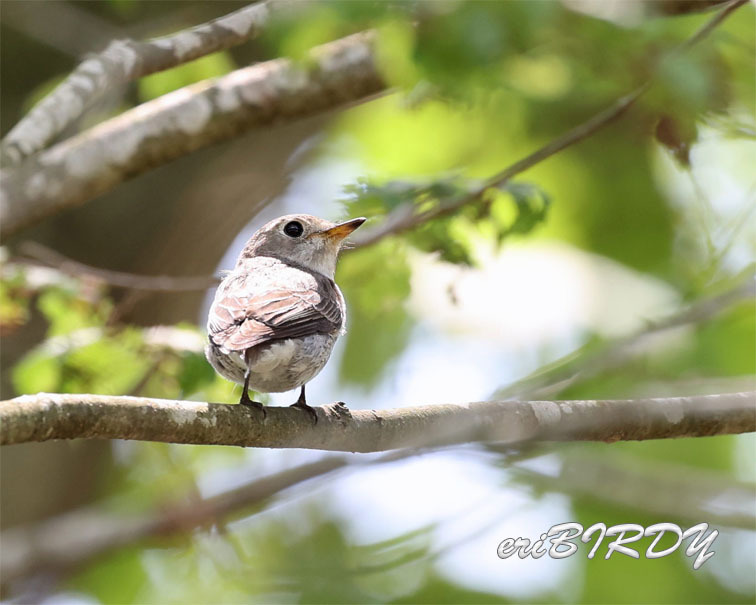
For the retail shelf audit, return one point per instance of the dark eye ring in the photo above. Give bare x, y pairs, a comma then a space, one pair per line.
294, 229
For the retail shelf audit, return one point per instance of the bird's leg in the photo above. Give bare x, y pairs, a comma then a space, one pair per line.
245, 400
301, 403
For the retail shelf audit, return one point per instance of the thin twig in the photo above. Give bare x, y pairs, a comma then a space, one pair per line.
550, 381
667, 490
157, 283
404, 218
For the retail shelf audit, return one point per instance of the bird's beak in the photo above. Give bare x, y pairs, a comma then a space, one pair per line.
342, 230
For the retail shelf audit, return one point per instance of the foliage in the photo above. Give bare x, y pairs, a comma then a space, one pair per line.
85, 353
158, 84
491, 214
376, 282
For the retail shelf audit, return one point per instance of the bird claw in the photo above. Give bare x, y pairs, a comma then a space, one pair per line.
246, 401
307, 408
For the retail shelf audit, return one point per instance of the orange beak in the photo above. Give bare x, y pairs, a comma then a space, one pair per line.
342, 230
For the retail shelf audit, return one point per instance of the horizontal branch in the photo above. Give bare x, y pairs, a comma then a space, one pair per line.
45, 416
156, 132
121, 62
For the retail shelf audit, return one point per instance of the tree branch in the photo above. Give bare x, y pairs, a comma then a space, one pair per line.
121, 62
45, 416
343, 71
84, 166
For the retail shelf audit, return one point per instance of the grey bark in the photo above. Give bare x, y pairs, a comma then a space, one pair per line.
121, 62
183, 121
53, 416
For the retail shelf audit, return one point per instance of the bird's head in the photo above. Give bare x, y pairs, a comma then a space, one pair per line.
303, 239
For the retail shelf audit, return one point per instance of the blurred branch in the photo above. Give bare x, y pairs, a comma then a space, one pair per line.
155, 338
565, 372
158, 283
673, 8
44, 416
84, 166
121, 62
405, 217
73, 538
668, 490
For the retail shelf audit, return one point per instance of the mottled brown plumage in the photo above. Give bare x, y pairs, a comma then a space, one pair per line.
252, 307
277, 315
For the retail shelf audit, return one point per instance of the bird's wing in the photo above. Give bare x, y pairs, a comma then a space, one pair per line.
253, 308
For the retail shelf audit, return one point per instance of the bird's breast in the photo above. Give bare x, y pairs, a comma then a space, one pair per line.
287, 364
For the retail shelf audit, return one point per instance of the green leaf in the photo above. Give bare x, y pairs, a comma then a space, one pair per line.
14, 301
195, 373
112, 365
37, 372
66, 311
158, 84
113, 578
515, 208
375, 282
531, 205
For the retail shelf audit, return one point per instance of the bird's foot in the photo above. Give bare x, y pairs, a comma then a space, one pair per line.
245, 400
302, 405
338, 411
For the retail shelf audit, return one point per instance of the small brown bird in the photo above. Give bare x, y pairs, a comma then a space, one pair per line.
277, 315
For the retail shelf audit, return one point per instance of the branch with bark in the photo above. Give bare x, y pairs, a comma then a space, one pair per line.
84, 166
121, 62
43, 417
340, 72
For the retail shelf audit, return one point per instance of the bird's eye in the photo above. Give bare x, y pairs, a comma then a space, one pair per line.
294, 229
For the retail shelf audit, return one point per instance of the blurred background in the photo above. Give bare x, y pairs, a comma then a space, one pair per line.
580, 272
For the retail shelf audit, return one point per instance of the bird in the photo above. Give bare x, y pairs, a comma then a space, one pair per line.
276, 316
